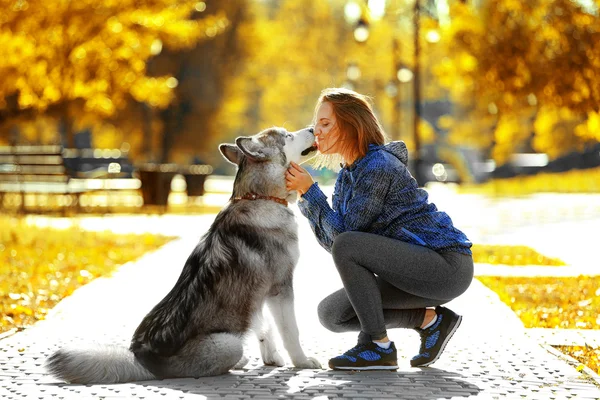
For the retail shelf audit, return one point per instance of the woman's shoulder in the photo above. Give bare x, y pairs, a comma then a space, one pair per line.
382, 160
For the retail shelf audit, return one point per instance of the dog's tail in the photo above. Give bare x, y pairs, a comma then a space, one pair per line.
97, 364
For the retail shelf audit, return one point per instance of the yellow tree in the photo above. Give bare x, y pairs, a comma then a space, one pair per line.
521, 68
204, 73
292, 55
86, 59
296, 48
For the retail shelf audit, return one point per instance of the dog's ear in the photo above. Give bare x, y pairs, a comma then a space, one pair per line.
250, 148
231, 152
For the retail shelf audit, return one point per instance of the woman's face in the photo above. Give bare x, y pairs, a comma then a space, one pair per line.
327, 132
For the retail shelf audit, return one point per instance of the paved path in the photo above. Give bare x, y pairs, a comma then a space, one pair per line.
491, 356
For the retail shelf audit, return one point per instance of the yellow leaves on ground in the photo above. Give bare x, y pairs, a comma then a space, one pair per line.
511, 255
584, 354
574, 181
551, 302
40, 266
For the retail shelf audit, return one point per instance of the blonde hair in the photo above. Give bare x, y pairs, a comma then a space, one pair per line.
356, 121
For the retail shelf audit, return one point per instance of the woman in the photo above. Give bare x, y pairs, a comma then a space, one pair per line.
397, 255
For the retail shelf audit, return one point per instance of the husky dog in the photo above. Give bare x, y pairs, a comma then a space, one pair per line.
244, 261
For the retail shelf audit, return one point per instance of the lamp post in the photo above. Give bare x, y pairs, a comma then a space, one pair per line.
396, 86
401, 75
416, 159
393, 90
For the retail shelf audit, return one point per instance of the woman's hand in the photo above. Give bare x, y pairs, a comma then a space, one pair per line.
297, 178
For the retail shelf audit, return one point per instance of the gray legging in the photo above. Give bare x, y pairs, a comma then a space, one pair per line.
388, 283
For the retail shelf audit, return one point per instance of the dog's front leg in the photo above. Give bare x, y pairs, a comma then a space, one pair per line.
282, 308
264, 332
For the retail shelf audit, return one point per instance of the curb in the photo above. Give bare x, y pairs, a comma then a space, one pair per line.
10, 332
588, 373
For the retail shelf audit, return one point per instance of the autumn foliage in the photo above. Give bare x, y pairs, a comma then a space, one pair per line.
174, 78
525, 75
554, 302
85, 61
41, 266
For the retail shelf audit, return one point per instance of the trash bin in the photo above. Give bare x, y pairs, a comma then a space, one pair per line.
195, 175
156, 182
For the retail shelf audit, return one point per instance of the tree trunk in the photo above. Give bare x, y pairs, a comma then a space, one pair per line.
169, 118
147, 143
66, 129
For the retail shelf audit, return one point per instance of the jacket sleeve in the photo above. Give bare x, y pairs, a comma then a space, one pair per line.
314, 206
362, 204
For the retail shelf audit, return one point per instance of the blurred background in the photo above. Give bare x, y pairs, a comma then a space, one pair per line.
480, 90
113, 107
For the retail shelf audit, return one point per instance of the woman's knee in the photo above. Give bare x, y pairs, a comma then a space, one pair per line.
329, 315
344, 245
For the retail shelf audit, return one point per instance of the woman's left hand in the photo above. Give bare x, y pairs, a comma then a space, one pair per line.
297, 178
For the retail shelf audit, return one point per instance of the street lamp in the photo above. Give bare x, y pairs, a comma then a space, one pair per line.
355, 13
353, 72
361, 31
352, 12
352, 75
394, 88
404, 75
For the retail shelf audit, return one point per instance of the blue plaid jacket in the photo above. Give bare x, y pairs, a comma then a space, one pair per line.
377, 194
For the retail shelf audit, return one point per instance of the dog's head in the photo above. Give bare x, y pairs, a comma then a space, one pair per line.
262, 160
272, 145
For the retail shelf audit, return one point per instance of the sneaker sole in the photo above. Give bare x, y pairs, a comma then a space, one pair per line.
444, 343
380, 367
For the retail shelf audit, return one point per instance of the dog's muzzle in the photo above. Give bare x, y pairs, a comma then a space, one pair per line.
309, 150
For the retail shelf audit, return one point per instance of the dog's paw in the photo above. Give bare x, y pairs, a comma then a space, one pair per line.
273, 358
242, 363
308, 363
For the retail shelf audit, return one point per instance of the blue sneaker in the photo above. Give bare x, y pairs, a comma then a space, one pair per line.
367, 356
435, 338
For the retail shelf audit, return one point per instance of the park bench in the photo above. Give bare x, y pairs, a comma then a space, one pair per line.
53, 170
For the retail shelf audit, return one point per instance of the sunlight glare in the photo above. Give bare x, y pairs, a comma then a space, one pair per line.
377, 9
352, 12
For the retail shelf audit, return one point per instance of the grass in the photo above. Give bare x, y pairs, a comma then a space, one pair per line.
574, 181
554, 302
586, 355
41, 266
550, 302
511, 255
